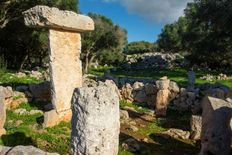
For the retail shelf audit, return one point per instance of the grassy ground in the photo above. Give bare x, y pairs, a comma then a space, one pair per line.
178, 74
27, 130
8, 78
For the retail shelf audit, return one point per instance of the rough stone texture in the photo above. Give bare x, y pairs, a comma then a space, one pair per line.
162, 84
41, 92
23, 150
52, 118
162, 101
44, 16
126, 92
65, 67
176, 133
196, 124
2, 113
216, 126
95, 121
191, 80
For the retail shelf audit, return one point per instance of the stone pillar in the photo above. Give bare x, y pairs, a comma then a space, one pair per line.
2, 113
163, 96
65, 48
216, 126
95, 121
191, 81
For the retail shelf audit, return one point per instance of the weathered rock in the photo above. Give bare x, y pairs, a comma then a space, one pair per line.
44, 16
162, 101
64, 54
41, 92
124, 114
150, 89
2, 113
52, 118
173, 87
138, 86
95, 121
140, 96
23, 150
216, 92
162, 84
126, 92
131, 145
196, 124
216, 126
176, 133
229, 94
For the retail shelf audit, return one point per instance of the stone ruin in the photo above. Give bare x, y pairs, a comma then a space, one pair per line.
95, 120
65, 48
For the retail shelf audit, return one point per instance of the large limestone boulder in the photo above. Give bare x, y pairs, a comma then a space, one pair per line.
44, 16
126, 92
95, 121
216, 126
23, 150
163, 83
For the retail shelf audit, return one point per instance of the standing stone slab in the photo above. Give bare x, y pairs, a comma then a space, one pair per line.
2, 112
65, 67
65, 48
95, 121
216, 126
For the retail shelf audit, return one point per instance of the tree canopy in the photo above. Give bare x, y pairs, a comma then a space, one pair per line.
19, 45
105, 44
204, 32
139, 47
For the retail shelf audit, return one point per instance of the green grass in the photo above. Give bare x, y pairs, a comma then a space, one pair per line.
178, 74
8, 78
139, 107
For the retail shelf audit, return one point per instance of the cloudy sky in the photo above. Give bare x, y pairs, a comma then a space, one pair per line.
143, 19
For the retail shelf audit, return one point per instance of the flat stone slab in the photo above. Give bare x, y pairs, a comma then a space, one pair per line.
44, 16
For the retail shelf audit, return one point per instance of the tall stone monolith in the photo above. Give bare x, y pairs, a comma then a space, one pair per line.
65, 48
95, 121
2, 112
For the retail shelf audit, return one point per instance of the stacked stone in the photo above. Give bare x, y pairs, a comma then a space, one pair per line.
163, 96
65, 48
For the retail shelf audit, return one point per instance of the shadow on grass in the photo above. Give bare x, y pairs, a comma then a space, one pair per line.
159, 146
17, 138
175, 119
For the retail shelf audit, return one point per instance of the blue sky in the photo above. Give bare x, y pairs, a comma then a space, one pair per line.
143, 19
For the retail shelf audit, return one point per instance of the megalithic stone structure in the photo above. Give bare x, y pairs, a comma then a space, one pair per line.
65, 48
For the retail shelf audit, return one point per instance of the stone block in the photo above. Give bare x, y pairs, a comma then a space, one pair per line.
53, 18
95, 121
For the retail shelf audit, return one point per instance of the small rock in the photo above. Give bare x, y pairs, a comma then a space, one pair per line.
124, 114
131, 145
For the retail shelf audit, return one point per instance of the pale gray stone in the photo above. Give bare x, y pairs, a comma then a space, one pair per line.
95, 121
216, 126
44, 16
196, 124
23, 150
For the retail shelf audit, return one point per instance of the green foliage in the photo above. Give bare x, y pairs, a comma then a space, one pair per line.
204, 32
10, 79
105, 44
22, 46
139, 47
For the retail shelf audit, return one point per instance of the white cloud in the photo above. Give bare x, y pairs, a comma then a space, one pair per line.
158, 11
